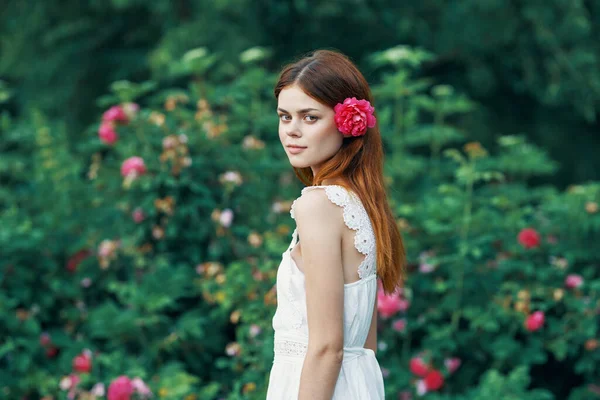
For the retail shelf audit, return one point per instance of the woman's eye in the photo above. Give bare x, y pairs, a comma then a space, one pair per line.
312, 116
283, 117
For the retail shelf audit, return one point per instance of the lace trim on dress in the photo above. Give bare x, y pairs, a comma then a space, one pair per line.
355, 218
289, 348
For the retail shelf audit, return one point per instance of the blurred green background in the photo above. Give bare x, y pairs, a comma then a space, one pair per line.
489, 111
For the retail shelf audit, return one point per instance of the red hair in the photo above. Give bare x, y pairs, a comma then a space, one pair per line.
329, 77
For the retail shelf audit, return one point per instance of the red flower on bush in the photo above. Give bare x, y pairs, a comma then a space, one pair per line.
529, 238
82, 363
434, 380
51, 351
418, 366
452, 363
77, 258
534, 321
120, 388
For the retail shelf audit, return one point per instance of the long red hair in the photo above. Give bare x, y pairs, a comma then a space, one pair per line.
329, 77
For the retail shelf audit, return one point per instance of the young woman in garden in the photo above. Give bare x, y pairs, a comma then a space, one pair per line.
326, 318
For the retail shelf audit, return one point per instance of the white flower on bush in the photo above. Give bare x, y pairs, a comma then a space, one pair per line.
254, 330
226, 217
277, 207
231, 177
98, 389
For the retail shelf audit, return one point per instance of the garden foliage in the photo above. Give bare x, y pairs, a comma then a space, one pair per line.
141, 257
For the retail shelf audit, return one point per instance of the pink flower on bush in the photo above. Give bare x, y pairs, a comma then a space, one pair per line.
353, 116
140, 387
138, 215
115, 114
529, 238
399, 325
385, 372
45, 339
107, 133
69, 382
133, 166
573, 281
452, 364
120, 388
534, 321
390, 304
418, 366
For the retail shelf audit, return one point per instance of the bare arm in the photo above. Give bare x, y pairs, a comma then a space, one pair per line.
319, 225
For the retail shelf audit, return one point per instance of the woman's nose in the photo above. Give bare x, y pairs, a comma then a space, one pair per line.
293, 128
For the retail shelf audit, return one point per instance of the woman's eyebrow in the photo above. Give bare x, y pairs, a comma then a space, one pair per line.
304, 110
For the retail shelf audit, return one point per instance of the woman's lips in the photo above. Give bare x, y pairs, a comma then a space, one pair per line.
296, 150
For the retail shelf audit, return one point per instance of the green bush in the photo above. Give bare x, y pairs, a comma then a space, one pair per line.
168, 275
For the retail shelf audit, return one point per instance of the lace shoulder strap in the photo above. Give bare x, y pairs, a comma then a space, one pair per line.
355, 218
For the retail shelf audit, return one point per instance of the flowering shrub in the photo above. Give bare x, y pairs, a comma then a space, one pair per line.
153, 276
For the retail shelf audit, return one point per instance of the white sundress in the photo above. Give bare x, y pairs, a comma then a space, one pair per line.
360, 376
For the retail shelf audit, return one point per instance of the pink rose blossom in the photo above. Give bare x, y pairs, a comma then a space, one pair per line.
353, 116
388, 305
138, 215
140, 387
115, 114
385, 372
399, 325
120, 388
573, 281
45, 339
133, 165
107, 133
452, 364
418, 366
534, 321
529, 238
426, 268
405, 395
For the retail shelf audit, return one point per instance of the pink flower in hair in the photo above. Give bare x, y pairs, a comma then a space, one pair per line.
353, 116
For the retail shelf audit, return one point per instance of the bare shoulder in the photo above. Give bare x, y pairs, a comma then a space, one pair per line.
315, 208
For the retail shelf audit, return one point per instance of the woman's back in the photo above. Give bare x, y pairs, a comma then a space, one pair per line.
360, 376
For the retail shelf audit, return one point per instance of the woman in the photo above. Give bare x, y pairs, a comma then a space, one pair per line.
326, 318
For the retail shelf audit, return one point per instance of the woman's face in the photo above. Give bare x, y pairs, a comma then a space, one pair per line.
303, 121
